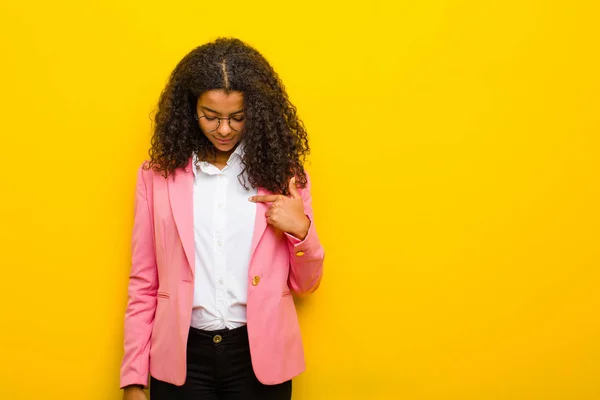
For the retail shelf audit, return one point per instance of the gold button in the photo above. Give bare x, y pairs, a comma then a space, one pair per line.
299, 253
218, 339
255, 280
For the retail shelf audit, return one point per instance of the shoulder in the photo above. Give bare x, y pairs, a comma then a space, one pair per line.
308, 181
144, 170
146, 173
149, 170
305, 191
307, 177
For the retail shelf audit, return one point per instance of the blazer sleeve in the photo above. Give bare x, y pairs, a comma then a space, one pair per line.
143, 285
306, 256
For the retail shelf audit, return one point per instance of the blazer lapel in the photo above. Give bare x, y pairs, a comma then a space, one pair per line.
260, 223
181, 197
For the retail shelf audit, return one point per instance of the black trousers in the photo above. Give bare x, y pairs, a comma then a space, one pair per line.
219, 368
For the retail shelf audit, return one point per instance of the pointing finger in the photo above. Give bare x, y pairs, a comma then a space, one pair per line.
264, 199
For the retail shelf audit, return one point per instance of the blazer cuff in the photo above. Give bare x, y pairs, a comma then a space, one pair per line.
301, 246
129, 381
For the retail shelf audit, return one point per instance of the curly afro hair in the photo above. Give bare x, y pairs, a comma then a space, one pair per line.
275, 139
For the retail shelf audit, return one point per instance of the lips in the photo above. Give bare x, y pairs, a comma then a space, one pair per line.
223, 141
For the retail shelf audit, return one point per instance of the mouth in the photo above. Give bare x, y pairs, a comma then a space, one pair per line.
223, 141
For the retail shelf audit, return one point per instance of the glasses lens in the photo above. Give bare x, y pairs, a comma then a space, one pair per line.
237, 123
209, 125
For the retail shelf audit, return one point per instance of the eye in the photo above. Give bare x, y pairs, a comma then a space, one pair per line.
238, 119
210, 118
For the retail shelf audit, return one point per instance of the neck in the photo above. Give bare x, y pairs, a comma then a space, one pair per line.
221, 157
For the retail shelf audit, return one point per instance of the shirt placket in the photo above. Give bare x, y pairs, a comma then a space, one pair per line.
219, 246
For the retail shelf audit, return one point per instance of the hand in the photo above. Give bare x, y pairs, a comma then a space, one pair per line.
286, 213
134, 393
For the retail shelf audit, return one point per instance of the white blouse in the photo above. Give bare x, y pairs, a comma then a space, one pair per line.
223, 229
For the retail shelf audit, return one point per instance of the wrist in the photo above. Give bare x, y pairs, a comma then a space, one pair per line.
134, 387
302, 231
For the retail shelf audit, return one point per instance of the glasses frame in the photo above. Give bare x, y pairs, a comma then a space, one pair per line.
218, 122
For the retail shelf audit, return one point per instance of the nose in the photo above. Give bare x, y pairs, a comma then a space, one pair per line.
224, 128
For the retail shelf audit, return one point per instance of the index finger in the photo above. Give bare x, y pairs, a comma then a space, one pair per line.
264, 199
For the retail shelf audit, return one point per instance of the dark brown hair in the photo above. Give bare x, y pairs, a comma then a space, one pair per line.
275, 140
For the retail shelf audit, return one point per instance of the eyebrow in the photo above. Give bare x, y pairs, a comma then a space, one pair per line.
216, 112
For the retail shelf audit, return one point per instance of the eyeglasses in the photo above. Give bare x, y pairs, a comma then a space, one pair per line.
211, 124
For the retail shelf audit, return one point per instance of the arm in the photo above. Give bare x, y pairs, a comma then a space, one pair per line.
307, 254
143, 285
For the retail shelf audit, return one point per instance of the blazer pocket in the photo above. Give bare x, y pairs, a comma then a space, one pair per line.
163, 295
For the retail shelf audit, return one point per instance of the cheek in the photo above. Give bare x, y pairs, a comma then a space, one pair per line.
239, 135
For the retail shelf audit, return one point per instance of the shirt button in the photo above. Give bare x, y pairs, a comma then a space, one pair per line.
221, 282
219, 243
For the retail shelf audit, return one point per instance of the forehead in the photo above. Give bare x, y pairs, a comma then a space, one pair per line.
221, 101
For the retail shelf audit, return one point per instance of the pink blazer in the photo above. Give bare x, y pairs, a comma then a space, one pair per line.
161, 285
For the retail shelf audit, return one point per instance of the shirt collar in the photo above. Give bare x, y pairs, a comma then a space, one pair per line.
238, 152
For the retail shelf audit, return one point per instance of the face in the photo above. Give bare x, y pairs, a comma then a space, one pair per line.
215, 104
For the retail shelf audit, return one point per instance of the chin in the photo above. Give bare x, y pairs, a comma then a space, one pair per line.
225, 147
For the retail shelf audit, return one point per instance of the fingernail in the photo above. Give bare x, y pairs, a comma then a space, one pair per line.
250, 198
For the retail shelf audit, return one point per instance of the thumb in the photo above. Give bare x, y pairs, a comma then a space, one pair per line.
293, 190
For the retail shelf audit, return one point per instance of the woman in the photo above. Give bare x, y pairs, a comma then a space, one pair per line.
223, 235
